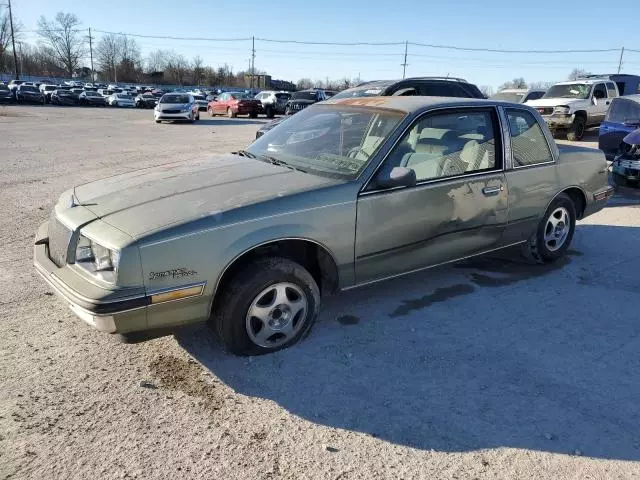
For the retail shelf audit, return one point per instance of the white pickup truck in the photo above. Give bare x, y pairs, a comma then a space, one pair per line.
576, 105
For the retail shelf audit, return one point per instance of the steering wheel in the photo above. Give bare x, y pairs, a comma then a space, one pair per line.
354, 151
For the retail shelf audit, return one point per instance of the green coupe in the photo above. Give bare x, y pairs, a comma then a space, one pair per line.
346, 193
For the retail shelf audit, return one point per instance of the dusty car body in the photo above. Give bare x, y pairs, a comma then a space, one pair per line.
344, 194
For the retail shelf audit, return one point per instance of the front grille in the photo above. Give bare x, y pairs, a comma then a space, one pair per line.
170, 111
59, 237
545, 110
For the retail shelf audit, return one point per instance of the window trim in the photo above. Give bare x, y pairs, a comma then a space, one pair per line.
604, 85
498, 134
513, 166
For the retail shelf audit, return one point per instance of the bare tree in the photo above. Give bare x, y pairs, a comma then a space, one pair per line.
486, 90
304, 83
198, 71
108, 55
6, 59
577, 73
63, 40
177, 67
157, 61
541, 84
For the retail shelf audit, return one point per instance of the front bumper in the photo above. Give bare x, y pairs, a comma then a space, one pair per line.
171, 116
559, 120
111, 311
629, 169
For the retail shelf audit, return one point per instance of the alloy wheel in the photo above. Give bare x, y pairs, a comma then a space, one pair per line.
557, 229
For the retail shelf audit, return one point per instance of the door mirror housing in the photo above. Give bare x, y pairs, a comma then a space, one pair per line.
396, 177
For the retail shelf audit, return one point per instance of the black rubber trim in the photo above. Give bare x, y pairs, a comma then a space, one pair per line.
118, 306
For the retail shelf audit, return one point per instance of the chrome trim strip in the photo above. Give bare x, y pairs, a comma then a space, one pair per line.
435, 180
160, 291
165, 240
520, 167
370, 282
417, 119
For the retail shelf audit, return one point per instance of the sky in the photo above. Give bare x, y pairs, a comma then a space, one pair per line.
494, 24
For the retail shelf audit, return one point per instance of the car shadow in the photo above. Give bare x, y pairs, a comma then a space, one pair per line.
223, 121
490, 352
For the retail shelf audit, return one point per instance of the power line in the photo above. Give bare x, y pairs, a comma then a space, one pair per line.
496, 50
165, 37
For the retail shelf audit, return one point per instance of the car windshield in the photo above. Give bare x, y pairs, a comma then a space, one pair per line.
569, 90
241, 95
304, 96
3, 87
91, 94
329, 140
515, 97
199, 97
147, 95
124, 97
175, 99
28, 88
359, 92
49, 87
283, 96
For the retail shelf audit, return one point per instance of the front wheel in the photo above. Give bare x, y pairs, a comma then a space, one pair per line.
210, 110
269, 112
269, 305
576, 130
554, 233
230, 113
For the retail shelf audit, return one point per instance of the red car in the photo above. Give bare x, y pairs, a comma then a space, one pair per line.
233, 104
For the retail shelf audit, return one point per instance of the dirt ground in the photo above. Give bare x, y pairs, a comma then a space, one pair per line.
488, 369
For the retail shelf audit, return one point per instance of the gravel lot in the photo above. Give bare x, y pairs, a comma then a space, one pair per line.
485, 369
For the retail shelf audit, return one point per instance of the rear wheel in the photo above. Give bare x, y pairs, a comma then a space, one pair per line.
253, 115
210, 110
198, 115
230, 113
577, 128
554, 233
269, 305
269, 112
158, 121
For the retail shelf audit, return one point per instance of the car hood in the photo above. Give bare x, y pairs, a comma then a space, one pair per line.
552, 102
148, 200
302, 101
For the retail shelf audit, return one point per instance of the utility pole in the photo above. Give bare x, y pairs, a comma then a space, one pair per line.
13, 43
404, 65
21, 57
91, 53
620, 61
253, 59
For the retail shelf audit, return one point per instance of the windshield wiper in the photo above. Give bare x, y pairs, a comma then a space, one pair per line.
244, 153
280, 163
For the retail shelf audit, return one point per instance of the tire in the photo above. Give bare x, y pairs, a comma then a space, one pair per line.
554, 233
230, 113
210, 110
576, 130
266, 278
269, 112
198, 115
158, 121
253, 115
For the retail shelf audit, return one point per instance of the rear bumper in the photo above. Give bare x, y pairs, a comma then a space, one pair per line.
599, 201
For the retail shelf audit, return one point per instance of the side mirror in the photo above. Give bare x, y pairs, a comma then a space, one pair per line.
397, 177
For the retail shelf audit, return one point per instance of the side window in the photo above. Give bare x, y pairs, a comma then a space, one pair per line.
441, 89
599, 91
528, 144
448, 144
534, 96
611, 89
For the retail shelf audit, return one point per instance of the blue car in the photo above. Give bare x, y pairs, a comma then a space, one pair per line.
622, 118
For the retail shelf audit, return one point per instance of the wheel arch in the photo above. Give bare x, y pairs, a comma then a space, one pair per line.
311, 254
577, 195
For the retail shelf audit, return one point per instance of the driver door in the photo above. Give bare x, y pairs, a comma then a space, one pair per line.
458, 207
602, 103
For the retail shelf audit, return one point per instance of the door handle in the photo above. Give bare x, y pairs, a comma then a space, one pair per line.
489, 191
608, 102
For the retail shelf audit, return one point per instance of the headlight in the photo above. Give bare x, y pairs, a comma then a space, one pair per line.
562, 109
96, 259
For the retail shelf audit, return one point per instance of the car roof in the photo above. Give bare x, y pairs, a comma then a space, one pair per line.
634, 98
514, 90
586, 81
410, 104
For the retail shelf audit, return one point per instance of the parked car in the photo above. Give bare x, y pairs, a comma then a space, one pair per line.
518, 95
626, 166
424, 86
157, 93
339, 196
76, 93
146, 100
104, 92
90, 97
28, 94
13, 84
63, 96
176, 106
47, 90
6, 95
622, 118
273, 102
120, 100
576, 105
201, 101
304, 98
233, 104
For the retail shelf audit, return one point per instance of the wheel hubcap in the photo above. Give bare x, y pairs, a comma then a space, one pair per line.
276, 315
557, 229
